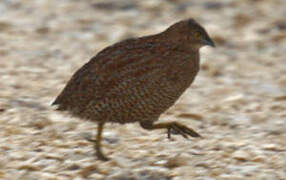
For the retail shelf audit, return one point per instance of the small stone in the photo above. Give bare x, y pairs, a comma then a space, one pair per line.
259, 158
5, 26
234, 98
202, 164
73, 167
53, 156
161, 162
43, 30
196, 152
88, 170
175, 162
241, 155
40, 122
28, 167
281, 25
238, 98
271, 147
190, 116
280, 98
241, 20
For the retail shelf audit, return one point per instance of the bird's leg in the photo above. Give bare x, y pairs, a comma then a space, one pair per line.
174, 126
97, 143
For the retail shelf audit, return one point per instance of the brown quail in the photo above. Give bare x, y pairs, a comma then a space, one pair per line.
136, 80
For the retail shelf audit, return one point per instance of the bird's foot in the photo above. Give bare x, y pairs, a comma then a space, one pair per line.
182, 130
98, 153
101, 156
90, 139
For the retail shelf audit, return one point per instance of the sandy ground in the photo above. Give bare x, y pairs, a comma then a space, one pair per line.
238, 101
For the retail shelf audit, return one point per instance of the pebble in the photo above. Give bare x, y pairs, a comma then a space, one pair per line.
241, 155
238, 98
176, 161
272, 147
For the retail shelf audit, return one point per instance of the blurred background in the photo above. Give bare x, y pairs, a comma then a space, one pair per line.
237, 102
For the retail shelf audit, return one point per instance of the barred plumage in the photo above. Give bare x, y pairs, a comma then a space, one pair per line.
136, 80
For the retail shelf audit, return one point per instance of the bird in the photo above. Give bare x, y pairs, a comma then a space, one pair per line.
137, 80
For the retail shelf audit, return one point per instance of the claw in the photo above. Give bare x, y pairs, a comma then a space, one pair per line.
102, 157
182, 130
169, 133
189, 131
90, 139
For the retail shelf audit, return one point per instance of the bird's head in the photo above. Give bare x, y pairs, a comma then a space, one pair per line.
190, 32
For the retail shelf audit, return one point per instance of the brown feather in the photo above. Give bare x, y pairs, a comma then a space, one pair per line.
136, 79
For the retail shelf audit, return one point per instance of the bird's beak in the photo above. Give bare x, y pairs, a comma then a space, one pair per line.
208, 42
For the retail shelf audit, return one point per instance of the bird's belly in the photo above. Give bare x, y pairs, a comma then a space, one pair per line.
133, 100
141, 103
145, 108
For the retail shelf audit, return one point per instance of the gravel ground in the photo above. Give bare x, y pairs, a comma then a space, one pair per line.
238, 101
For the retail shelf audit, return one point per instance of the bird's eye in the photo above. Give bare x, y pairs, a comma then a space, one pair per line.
197, 34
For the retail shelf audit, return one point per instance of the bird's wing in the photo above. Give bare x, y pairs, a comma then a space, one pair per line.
115, 66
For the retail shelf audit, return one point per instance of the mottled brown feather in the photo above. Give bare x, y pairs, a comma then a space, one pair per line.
136, 79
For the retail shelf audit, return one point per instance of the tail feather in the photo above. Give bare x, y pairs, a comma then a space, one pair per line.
59, 104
